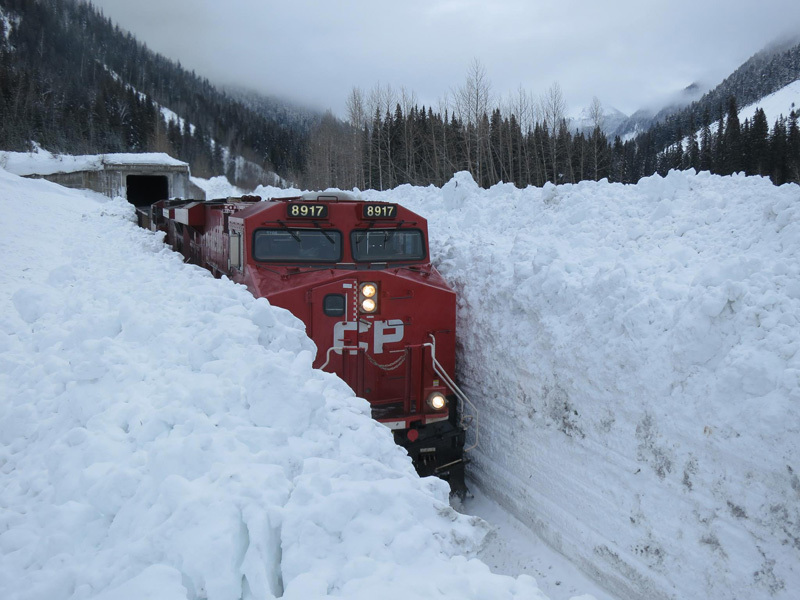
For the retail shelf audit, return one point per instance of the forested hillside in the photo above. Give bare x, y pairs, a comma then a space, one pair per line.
765, 72
74, 82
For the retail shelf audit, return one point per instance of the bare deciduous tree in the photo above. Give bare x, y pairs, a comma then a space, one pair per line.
357, 117
553, 109
471, 104
598, 117
408, 101
597, 114
522, 105
380, 105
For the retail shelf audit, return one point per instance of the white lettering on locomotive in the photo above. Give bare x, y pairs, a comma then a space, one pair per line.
385, 332
382, 337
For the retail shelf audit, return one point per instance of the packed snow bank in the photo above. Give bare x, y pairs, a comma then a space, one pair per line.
217, 187
634, 352
163, 435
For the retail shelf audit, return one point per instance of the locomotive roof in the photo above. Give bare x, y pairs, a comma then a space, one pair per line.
335, 196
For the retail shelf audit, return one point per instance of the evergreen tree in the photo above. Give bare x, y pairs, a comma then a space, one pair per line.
793, 149
693, 151
759, 154
746, 148
778, 149
719, 158
706, 149
732, 153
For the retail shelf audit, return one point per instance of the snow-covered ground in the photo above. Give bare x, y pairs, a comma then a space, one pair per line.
633, 350
512, 548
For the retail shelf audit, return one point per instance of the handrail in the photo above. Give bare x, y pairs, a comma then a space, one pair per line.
452, 385
337, 349
389, 367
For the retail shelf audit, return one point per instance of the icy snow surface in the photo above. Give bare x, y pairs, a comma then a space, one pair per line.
163, 435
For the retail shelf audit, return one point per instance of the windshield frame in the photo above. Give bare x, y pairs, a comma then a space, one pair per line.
290, 233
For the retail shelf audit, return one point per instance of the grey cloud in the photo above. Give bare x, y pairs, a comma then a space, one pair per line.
628, 53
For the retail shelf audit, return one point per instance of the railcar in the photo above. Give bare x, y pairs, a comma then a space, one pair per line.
358, 274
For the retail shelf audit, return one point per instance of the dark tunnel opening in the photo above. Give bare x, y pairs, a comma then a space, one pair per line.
144, 190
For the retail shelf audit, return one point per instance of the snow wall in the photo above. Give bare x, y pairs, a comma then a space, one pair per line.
634, 354
163, 436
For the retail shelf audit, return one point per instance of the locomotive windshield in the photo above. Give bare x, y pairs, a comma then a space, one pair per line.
297, 245
387, 245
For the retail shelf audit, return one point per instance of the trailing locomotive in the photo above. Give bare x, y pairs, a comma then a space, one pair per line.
358, 274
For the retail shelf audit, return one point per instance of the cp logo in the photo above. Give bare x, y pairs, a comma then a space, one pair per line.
384, 332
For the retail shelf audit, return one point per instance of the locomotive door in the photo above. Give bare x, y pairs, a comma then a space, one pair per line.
341, 338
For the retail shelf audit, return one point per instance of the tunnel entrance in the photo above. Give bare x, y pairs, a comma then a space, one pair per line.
144, 190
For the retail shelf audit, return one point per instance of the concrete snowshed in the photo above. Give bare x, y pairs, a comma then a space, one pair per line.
141, 178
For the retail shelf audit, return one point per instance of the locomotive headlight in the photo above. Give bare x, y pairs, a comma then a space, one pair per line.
368, 297
437, 401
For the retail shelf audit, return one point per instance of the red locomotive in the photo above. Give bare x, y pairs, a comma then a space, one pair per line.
358, 274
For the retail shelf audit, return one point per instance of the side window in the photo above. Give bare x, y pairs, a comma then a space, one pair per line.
235, 250
333, 305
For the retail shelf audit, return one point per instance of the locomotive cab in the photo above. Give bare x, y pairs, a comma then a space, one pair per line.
358, 274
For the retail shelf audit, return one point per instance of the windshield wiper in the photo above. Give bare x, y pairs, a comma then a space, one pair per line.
325, 233
291, 232
401, 223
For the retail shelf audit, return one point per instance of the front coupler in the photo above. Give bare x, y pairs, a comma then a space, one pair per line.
437, 450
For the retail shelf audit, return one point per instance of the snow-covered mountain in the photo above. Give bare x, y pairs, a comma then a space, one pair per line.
777, 105
644, 118
612, 119
633, 351
765, 73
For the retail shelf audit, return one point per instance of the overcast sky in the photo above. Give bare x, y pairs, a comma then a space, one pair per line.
628, 53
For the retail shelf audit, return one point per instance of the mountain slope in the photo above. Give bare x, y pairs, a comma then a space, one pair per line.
643, 119
74, 82
766, 72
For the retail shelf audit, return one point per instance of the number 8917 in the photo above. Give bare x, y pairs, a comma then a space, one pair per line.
308, 211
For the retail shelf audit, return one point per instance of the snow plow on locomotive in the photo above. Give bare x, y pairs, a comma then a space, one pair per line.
358, 274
